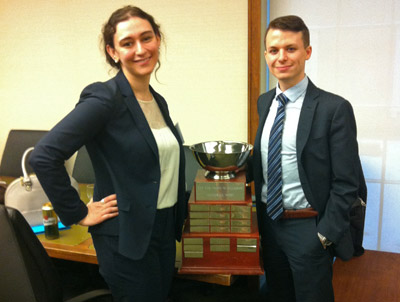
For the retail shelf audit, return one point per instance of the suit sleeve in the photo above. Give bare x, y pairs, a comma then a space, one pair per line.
344, 173
250, 160
85, 121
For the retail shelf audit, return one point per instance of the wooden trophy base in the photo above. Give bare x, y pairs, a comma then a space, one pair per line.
217, 253
221, 234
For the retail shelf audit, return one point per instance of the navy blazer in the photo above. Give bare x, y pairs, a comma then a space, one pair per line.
109, 121
327, 158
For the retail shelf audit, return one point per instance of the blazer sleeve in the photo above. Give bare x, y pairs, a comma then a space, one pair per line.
344, 173
85, 121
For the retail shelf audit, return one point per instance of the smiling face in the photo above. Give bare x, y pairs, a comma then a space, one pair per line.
136, 48
286, 56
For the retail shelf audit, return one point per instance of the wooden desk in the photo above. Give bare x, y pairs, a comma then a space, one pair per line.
374, 276
79, 249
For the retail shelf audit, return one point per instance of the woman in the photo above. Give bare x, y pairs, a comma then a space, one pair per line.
137, 157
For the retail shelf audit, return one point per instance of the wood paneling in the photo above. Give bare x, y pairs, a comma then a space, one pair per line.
254, 44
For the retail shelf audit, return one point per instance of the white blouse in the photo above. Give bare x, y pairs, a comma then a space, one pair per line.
168, 151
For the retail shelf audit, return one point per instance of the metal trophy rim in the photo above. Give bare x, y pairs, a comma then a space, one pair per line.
209, 161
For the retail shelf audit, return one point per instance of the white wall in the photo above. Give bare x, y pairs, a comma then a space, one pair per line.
50, 51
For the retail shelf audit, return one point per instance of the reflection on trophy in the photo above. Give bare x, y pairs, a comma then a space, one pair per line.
221, 234
220, 158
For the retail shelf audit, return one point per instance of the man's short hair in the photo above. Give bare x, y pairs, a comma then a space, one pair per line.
290, 23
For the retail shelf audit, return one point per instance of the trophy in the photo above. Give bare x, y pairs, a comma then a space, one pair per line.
221, 234
221, 158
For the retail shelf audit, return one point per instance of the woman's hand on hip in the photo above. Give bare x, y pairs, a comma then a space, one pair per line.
100, 211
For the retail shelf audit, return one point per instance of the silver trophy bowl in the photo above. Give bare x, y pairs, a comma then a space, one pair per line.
221, 158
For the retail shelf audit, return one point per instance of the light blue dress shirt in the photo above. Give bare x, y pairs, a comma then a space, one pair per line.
292, 192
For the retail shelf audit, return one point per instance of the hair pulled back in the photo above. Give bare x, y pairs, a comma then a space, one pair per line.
120, 15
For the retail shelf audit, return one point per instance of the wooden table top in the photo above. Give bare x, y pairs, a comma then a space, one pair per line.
74, 244
374, 276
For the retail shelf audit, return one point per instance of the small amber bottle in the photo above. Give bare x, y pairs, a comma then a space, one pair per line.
50, 222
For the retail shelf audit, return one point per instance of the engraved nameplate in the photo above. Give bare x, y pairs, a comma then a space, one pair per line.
194, 222
240, 229
193, 248
193, 254
246, 245
218, 222
218, 190
241, 222
199, 208
240, 215
220, 245
200, 229
199, 215
220, 208
246, 241
220, 229
241, 209
220, 215
192, 240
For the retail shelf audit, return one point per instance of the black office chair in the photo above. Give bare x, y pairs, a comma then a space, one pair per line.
83, 170
17, 142
27, 273
3, 188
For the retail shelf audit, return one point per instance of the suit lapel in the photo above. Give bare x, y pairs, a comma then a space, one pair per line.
263, 111
164, 111
264, 103
136, 111
306, 117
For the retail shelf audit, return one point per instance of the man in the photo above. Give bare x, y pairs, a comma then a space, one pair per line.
306, 171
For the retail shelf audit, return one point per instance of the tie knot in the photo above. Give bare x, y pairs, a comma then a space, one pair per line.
283, 100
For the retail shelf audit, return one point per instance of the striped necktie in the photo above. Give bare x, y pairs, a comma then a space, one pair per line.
274, 194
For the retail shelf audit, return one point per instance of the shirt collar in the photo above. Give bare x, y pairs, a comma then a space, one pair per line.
293, 93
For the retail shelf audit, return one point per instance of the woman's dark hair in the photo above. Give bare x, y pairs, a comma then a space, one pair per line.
120, 15
290, 23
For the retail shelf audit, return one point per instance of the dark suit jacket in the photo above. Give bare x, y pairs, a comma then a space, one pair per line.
124, 154
328, 161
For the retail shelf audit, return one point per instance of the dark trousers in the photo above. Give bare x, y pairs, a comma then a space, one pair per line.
297, 267
147, 279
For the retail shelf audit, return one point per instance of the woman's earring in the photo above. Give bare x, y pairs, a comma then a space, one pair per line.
116, 60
